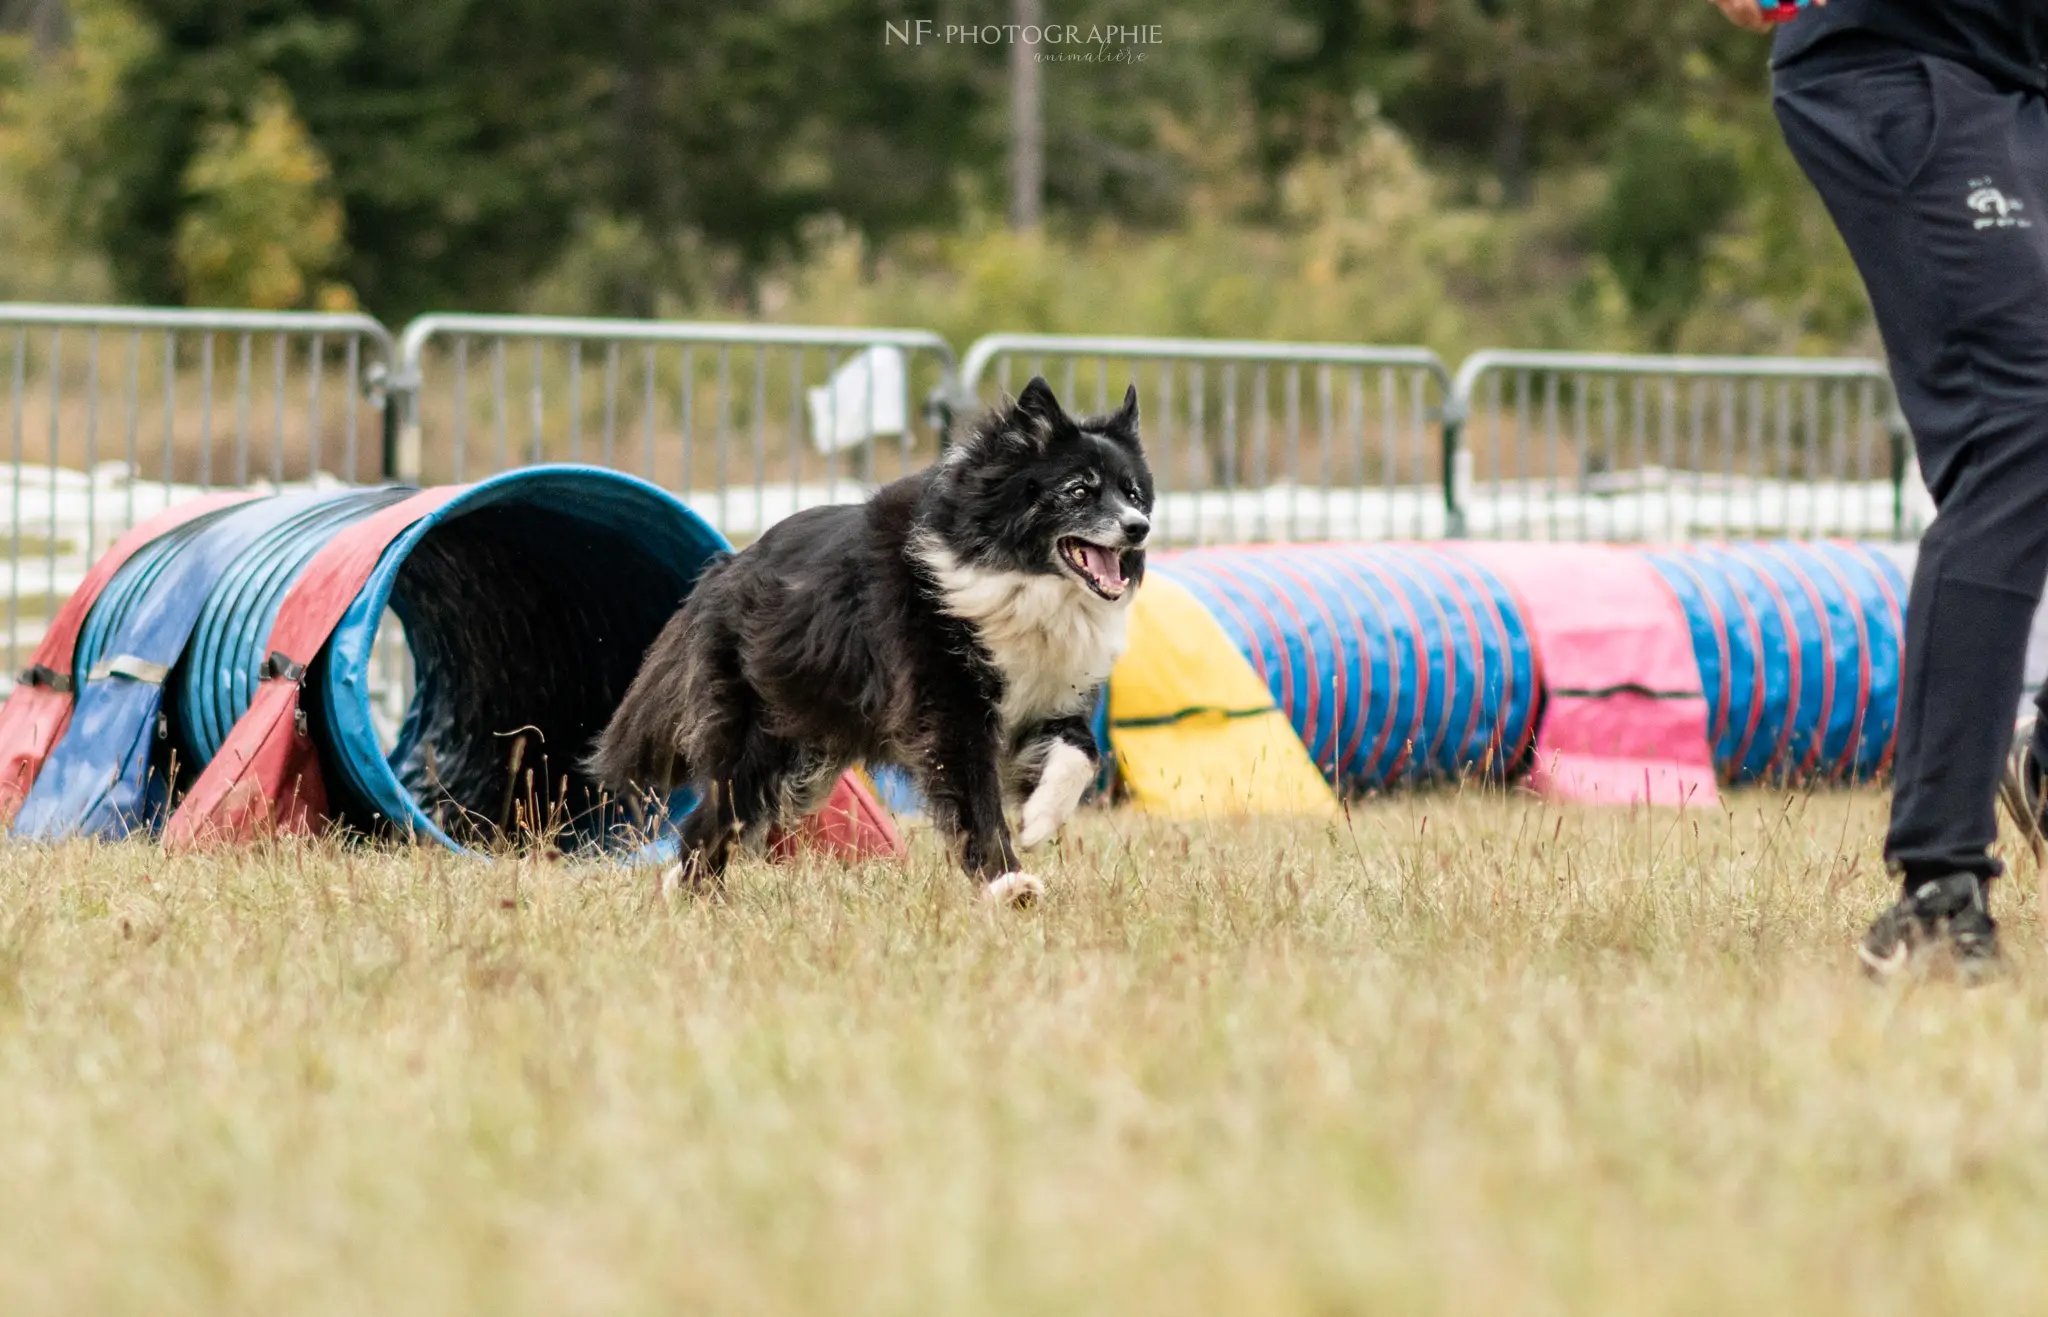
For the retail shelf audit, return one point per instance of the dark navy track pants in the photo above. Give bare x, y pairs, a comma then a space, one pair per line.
1938, 181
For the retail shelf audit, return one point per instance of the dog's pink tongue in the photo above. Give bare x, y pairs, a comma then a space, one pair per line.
1105, 565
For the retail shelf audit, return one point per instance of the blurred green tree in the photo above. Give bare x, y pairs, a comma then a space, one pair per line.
454, 133
1509, 86
465, 137
1564, 166
1668, 193
262, 227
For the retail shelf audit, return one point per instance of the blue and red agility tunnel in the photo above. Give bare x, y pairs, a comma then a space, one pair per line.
1800, 650
211, 679
1395, 663
1609, 673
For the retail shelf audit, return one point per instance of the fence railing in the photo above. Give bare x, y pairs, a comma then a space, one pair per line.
1253, 441
1590, 446
113, 413
747, 423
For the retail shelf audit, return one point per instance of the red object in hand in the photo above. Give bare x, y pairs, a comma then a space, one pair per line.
1783, 13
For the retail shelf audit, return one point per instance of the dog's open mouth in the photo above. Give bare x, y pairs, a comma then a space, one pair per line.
1102, 570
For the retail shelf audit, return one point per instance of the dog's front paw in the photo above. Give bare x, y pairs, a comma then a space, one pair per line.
673, 880
1061, 784
1016, 891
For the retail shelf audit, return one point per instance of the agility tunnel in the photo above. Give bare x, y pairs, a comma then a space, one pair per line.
1603, 673
1391, 664
1800, 649
220, 662
212, 680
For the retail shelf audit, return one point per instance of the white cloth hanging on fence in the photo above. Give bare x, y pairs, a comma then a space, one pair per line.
863, 400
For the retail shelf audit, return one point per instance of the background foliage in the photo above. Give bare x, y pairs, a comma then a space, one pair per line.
1524, 172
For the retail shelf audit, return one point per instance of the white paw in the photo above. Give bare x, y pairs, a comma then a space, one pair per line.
671, 881
1014, 890
1061, 784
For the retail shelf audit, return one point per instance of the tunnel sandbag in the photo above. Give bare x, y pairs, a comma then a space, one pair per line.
1624, 719
111, 774
38, 709
527, 603
1394, 663
266, 779
1800, 647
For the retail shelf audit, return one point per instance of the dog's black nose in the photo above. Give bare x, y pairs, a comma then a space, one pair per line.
1136, 528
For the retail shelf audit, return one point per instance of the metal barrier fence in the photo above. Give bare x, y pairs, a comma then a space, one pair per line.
747, 423
1589, 446
113, 413
1253, 441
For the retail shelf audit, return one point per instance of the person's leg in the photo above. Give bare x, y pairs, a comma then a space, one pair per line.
1932, 176
1972, 605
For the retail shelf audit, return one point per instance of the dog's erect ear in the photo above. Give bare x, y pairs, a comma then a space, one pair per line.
1125, 420
1037, 406
1031, 420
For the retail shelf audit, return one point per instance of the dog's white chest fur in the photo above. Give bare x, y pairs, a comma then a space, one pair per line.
1051, 638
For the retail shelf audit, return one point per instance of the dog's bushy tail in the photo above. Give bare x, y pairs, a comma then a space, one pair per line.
640, 751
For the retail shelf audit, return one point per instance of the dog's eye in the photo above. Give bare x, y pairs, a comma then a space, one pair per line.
1077, 489
1131, 491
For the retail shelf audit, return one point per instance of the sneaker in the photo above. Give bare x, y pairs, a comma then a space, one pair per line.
1942, 914
2024, 790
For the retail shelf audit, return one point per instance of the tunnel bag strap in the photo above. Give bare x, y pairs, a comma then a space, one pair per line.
127, 665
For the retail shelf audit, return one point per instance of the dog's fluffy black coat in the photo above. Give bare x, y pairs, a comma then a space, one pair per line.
959, 623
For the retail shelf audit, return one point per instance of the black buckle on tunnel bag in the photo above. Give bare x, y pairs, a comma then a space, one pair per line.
280, 664
44, 675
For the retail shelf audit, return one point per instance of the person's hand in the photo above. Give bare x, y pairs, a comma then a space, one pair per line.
1749, 15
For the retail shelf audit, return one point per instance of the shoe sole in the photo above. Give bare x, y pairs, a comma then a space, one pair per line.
1970, 971
1885, 969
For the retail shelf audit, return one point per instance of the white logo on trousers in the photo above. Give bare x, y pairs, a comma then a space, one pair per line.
1995, 209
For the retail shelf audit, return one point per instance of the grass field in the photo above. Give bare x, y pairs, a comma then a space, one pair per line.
1469, 1055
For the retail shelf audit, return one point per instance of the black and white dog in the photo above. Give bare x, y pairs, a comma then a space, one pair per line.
959, 623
